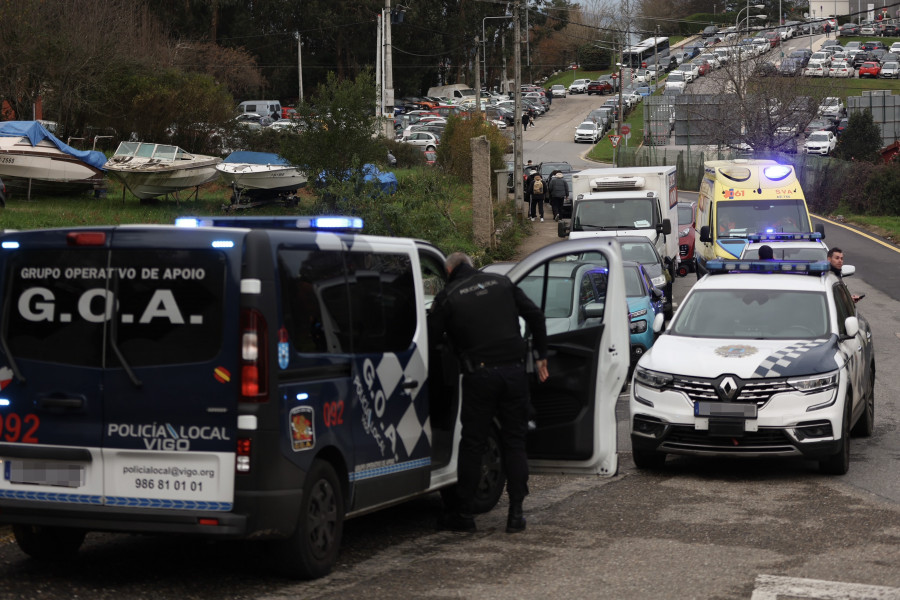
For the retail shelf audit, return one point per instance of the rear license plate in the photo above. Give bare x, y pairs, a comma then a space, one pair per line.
42, 472
725, 409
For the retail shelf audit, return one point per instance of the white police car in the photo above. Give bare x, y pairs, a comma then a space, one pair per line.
762, 359
787, 246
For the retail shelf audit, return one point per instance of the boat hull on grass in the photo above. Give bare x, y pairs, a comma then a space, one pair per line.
150, 170
34, 161
260, 174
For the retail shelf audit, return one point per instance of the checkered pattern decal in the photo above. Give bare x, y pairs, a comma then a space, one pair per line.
794, 359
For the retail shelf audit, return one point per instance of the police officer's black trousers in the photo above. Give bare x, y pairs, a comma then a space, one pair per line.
490, 391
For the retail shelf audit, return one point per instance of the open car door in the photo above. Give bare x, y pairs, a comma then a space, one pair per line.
579, 284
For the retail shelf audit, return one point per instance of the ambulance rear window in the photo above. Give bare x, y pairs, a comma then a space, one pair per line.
160, 306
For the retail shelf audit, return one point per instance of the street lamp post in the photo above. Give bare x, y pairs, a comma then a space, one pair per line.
739, 89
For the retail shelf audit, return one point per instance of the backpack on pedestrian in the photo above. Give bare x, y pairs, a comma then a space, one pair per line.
538, 187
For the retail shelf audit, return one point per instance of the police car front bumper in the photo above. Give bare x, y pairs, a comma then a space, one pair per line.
803, 425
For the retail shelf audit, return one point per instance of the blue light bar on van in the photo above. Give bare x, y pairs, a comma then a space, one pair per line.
777, 172
793, 267
319, 223
9, 245
785, 237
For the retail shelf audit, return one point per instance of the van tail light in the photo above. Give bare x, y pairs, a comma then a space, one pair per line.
242, 457
254, 357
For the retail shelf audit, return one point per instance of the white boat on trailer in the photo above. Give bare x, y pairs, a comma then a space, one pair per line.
149, 170
33, 160
260, 175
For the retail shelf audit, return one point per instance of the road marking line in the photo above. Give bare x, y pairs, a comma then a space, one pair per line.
772, 587
876, 240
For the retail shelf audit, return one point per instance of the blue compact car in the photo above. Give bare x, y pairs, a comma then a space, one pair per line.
645, 306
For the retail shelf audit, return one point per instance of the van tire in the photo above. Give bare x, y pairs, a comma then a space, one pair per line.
48, 543
312, 549
492, 482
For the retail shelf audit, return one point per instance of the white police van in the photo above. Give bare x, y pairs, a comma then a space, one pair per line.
762, 359
255, 377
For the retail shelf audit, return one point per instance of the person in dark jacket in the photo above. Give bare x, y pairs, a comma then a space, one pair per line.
558, 190
538, 190
480, 313
526, 119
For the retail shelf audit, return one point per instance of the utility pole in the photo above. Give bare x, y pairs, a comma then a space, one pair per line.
388, 63
477, 76
518, 165
300, 65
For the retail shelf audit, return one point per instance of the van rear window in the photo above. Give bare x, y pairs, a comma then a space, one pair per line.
159, 306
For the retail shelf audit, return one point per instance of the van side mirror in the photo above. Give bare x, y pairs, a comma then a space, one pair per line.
665, 228
594, 310
851, 324
704, 234
847, 270
820, 228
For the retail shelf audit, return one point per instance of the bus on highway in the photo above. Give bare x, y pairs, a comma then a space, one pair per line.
741, 197
637, 56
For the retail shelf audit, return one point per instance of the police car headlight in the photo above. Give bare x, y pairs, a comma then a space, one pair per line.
659, 281
816, 383
638, 326
653, 379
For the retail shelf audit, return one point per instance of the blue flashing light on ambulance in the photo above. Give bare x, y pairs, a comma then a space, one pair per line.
742, 197
260, 378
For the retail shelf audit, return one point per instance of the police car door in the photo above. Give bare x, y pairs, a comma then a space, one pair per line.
575, 408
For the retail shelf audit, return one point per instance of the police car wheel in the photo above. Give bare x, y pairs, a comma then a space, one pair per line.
839, 463
650, 460
865, 427
48, 543
313, 548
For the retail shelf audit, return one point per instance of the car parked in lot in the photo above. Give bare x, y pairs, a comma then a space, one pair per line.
831, 107
579, 86
841, 69
819, 124
768, 360
848, 29
690, 71
869, 69
790, 67
588, 131
890, 30
425, 139
867, 30
820, 142
675, 82
703, 66
599, 86
890, 70
765, 69
872, 45
558, 91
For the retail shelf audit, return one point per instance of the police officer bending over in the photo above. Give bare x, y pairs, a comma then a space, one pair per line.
480, 313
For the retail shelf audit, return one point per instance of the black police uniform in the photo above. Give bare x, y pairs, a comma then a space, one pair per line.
480, 313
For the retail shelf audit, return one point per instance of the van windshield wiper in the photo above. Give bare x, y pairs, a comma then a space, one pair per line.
12, 361
114, 329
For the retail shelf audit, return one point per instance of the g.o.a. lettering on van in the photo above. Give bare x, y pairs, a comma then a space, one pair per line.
96, 305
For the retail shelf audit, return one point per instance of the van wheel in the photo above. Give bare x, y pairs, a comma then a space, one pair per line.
48, 543
493, 478
312, 549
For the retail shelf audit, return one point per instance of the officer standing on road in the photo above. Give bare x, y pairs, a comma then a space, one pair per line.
836, 258
480, 313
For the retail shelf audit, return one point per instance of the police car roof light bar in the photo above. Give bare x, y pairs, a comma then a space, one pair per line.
791, 267
774, 236
317, 223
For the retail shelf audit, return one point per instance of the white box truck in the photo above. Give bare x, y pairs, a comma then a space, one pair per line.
625, 202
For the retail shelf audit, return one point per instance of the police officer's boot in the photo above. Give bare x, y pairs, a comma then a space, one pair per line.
515, 522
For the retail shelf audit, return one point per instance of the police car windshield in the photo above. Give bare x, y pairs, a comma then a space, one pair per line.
752, 314
614, 213
739, 218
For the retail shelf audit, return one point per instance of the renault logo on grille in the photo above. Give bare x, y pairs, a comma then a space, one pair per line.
728, 387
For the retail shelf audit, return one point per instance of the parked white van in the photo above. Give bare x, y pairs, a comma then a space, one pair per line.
264, 108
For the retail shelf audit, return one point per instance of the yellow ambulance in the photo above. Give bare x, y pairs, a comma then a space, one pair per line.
742, 197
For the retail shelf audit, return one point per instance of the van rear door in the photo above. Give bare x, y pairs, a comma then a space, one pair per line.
115, 342
588, 364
